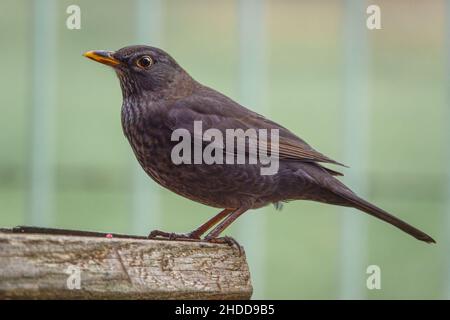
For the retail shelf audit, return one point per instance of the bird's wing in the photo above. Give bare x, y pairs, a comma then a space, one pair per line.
217, 111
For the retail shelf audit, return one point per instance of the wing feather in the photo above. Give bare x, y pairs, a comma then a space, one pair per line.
218, 111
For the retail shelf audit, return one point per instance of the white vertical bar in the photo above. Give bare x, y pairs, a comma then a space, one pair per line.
40, 211
253, 83
356, 130
146, 196
446, 230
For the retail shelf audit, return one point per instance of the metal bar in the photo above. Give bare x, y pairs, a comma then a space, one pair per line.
146, 211
356, 123
253, 83
43, 83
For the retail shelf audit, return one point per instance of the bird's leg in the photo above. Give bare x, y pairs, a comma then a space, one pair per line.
210, 223
195, 234
212, 235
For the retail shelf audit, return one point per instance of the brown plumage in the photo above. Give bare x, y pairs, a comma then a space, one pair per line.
160, 97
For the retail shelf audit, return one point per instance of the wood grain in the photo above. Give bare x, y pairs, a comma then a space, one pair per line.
36, 266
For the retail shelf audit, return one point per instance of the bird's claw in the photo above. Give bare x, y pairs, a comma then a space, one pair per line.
226, 240
162, 235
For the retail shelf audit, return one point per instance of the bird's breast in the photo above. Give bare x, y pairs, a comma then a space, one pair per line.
149, 140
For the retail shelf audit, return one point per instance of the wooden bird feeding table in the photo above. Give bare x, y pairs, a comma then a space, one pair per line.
56, 266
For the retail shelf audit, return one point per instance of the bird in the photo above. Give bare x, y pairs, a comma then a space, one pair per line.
160, 98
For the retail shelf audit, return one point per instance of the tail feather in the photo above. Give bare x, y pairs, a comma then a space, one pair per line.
373, 210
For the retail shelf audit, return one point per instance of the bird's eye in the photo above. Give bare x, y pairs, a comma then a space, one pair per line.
144, 62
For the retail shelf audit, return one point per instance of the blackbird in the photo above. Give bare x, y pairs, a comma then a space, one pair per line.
159, 97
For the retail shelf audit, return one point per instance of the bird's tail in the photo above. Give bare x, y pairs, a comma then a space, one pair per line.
373, 210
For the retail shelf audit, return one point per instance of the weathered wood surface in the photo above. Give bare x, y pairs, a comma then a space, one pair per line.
37, 266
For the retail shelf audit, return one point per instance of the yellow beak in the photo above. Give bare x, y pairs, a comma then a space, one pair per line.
102, 56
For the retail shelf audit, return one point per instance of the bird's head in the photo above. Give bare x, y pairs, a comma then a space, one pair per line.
141, 69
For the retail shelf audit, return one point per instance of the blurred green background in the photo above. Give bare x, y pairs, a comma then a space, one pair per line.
297, 253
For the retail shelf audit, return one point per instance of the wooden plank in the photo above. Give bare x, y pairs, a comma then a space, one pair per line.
41, 266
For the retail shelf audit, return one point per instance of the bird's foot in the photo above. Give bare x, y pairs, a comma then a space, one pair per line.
226, 240
162, 235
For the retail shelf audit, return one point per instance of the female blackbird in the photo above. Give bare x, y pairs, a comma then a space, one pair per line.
160, 97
